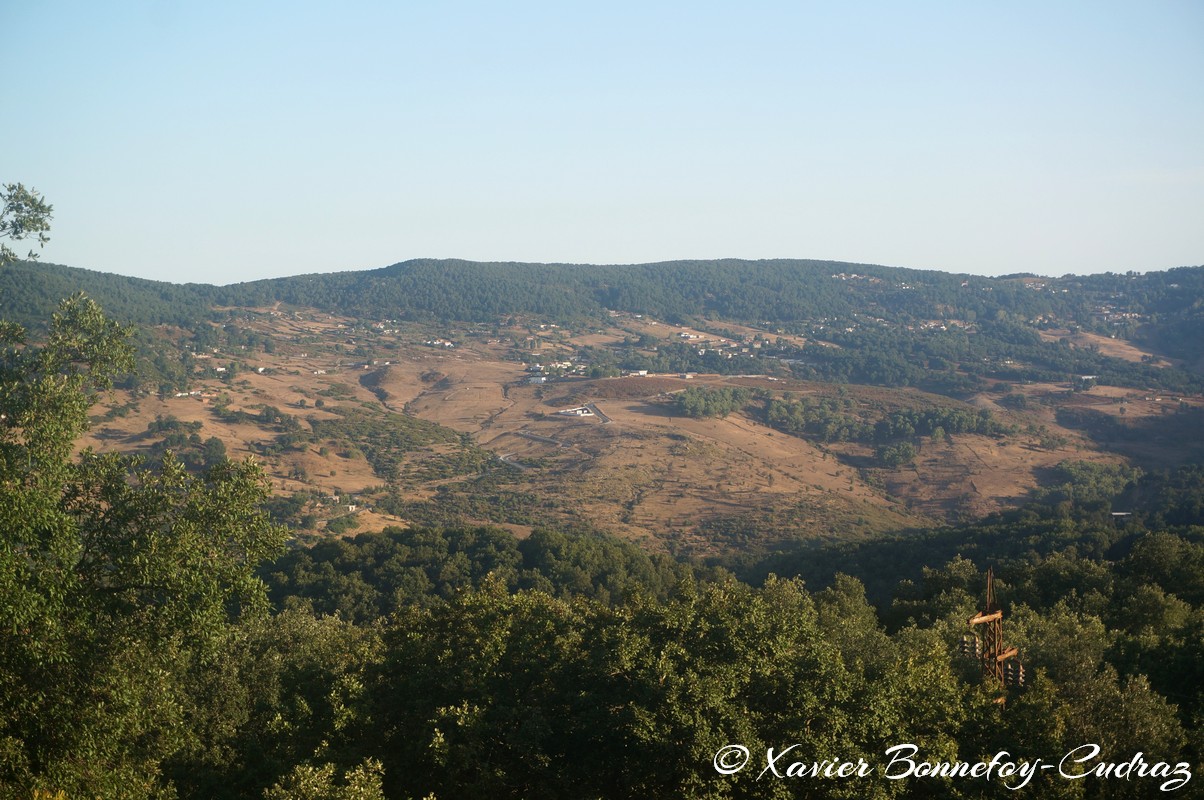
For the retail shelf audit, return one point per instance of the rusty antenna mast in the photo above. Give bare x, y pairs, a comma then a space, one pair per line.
997, 665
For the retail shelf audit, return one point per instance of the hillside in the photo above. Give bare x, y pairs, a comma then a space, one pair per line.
777, 291
844, 428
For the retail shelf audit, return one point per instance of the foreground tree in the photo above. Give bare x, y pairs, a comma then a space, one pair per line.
116, 583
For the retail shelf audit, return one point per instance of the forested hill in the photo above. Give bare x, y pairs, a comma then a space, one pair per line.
777, 291
30, 292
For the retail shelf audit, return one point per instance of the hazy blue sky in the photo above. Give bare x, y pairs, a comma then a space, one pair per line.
220, 141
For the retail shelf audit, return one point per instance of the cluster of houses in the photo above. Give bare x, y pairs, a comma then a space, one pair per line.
1113, 315
388, 326
855, 277
539, 373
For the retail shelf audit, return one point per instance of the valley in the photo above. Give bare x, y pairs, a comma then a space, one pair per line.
364, 424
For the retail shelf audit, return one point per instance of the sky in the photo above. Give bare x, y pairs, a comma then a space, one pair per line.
219, 141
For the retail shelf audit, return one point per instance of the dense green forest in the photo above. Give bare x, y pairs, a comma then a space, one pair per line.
774, 291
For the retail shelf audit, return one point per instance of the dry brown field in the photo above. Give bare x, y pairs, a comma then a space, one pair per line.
1116, 348
637, 468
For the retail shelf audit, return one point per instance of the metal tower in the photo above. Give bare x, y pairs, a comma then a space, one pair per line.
989, 647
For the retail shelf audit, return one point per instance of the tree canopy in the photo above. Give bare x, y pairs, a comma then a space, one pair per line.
118, 583
25, 214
